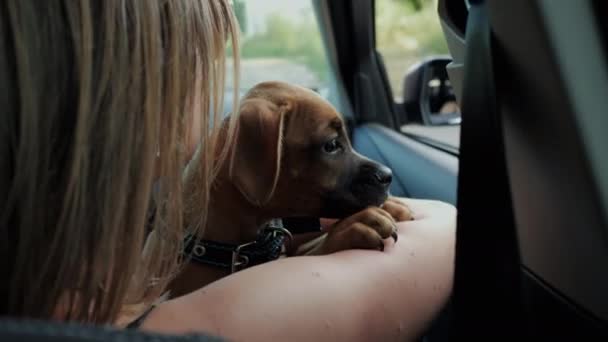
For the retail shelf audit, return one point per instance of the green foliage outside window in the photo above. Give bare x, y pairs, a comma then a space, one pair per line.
407, 31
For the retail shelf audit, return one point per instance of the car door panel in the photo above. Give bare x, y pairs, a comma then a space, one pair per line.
419, 170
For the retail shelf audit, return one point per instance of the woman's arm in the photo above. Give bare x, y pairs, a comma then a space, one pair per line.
355, 295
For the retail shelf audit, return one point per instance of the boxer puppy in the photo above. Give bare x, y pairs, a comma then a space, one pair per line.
292, 158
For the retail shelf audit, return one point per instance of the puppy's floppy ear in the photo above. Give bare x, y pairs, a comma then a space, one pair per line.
256, 159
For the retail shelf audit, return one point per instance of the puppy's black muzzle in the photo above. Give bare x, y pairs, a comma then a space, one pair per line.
371, 183
376, 175
366, 184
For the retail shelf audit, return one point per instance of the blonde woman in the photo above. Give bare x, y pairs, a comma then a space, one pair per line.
100, 99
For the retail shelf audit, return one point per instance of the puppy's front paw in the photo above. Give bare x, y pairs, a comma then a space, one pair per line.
364, 230
397, 209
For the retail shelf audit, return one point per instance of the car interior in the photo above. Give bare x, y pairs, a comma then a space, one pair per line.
528, 171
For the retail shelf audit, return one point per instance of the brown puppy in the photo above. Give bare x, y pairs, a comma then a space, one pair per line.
293, 158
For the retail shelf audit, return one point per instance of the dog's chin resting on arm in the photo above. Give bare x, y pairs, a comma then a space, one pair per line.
353, 295
292, 158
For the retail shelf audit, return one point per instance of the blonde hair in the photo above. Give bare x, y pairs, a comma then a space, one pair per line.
96, 98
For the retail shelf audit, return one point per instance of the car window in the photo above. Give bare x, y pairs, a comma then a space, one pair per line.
281, 40
409, 32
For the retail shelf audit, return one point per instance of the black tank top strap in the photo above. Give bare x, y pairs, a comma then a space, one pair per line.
139, 320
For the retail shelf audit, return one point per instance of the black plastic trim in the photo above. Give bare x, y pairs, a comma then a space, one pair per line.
456, 14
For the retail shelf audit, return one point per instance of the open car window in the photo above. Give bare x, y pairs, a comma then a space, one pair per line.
281, 40
408, 34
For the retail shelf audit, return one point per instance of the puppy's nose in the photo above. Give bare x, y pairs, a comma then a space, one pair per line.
383, 175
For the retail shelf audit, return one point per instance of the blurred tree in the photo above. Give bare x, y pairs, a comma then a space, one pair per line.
240, 11
406, 32
416, 5
298, 41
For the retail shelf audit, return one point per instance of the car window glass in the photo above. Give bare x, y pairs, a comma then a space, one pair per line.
407, 33
281, 40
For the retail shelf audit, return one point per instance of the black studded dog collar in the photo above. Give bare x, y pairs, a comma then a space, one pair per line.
267, 246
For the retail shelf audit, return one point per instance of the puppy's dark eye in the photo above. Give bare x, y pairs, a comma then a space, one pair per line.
332, 147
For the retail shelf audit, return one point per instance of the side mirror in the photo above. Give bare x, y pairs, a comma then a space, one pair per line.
428, 97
